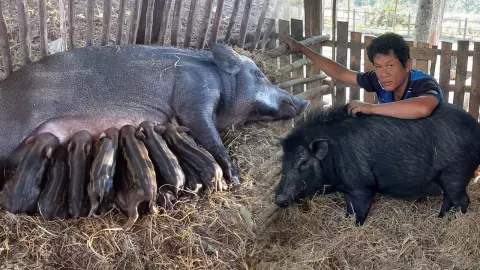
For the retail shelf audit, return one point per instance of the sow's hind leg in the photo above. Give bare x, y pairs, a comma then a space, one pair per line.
454, 192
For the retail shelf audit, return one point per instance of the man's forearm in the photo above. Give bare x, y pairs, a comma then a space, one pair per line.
331, 68
407, 109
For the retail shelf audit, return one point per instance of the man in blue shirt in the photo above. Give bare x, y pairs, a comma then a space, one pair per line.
402, 92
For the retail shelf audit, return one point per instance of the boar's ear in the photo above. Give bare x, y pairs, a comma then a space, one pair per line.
320, 148
226, 58
159, 129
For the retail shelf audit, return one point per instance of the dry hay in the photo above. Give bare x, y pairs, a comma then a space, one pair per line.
217, 232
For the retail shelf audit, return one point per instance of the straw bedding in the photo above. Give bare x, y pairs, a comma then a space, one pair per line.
218, 232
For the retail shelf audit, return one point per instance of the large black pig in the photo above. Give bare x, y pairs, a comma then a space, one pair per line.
362, 155
95, 88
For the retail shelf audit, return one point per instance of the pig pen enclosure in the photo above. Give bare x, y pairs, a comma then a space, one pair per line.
218, 232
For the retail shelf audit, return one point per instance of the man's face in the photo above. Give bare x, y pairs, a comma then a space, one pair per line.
390, 71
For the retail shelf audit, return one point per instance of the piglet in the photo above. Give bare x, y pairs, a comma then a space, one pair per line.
170, 177
103, 168
79, 162
139, 183
193, 183
53, 200
21, 193
200, 160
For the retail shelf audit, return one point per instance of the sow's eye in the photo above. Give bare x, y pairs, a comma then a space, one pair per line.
258, 73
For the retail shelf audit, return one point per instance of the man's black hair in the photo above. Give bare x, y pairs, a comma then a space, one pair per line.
389, 42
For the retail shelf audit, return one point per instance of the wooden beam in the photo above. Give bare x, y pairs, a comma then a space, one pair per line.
342, 31
475, 91
461, 74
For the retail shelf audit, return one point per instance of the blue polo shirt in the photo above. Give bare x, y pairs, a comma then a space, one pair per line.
419, 84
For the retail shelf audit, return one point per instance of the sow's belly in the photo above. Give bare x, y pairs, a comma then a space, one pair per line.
63, 108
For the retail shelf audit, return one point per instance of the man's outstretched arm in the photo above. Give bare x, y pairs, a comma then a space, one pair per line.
413, 108
331, 68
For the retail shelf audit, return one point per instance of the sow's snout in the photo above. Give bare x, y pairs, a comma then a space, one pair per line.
292, 106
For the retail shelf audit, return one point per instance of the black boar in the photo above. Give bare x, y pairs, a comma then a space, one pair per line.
103, 168
21, 193
362, 155
53, 201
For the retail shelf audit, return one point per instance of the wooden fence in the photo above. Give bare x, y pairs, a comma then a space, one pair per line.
148, 23
345, 44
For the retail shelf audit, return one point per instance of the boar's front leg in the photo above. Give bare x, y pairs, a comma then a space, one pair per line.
204, 131
358, 203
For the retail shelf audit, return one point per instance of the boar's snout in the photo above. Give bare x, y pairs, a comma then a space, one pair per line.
283, 201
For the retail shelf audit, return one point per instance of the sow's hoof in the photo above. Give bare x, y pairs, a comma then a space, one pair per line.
139, 183
200, 160
21, 193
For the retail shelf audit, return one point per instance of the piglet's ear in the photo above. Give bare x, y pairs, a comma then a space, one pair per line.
320, 148
139, 135
181, 129
159, 129
49, 152
30, 140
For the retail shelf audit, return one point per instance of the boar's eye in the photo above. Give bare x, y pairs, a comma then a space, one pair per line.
302, 166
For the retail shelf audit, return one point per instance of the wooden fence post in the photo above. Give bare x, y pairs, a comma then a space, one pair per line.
355, 59
243, 26
367, 66
120, 21
420, 63
342, 43
107, 17
24, 31
475, 92
176, 22
42, 12
461, 73
445, 66
205, 24
5, 45
191, 17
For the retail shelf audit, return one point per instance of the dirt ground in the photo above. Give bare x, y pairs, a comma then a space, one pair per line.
218, 232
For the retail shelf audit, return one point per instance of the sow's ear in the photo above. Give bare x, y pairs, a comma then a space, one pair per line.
226, 58
320, 148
